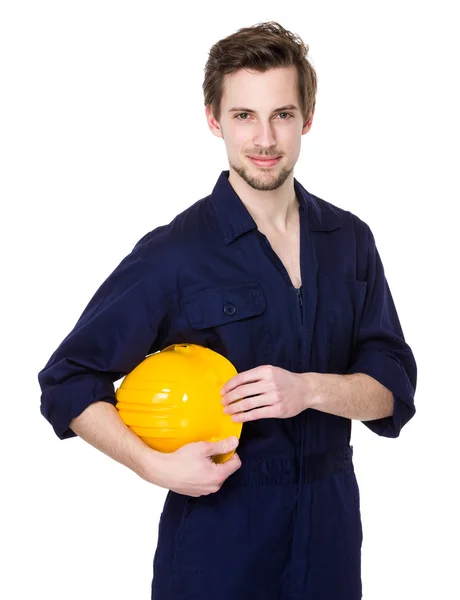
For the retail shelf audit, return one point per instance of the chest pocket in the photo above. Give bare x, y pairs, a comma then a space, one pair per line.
340, 303
231, 319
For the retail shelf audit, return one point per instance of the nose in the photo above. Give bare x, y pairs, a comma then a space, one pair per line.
264, 137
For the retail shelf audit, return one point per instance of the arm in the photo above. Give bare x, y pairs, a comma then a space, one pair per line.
127, 319
354, 396
188, 470
100, 425
121, 325
382, 360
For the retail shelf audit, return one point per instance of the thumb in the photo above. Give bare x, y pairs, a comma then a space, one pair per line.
222, 446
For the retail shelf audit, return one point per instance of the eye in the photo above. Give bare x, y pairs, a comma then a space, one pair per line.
281, 113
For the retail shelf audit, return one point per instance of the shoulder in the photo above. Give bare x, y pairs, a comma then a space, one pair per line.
188, 229
325, 212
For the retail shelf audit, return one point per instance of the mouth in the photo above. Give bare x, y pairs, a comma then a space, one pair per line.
262, 162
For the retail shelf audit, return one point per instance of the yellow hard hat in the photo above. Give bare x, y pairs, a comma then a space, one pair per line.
173, 398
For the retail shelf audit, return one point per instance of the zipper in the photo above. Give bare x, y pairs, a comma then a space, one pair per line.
275, 258
299, 296
300, 324
301, 419
279, 264
294, 562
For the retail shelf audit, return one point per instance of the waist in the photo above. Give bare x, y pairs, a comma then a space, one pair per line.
287, 469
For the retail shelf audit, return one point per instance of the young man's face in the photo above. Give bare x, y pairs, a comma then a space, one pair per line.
261, 130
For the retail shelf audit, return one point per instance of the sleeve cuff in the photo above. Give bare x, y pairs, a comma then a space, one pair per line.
79, 392
388, 370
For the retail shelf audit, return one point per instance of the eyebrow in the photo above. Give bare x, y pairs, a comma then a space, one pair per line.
243, 109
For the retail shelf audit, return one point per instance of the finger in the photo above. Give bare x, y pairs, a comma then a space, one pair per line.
243, 377
229, 466
221, 447
243, 391
252, 415
248, 404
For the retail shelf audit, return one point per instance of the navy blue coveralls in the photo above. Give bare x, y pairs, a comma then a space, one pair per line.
287, 524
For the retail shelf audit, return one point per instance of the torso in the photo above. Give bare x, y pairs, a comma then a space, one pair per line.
287, 247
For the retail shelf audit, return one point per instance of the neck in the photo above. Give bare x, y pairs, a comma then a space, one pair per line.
272, 210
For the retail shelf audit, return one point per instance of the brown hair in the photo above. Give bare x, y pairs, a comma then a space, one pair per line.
260, 47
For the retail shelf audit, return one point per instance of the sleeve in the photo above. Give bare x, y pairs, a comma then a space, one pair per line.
117, 329
381, 350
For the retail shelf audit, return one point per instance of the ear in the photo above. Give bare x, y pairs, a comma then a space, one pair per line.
307, 124
214, 125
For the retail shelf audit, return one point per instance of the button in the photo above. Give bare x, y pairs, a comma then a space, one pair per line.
229, 309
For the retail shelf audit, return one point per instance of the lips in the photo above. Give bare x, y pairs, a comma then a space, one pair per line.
265, 162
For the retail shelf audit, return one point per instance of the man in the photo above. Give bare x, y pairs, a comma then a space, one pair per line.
292, 290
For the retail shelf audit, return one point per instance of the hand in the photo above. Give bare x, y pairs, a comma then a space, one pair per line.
190, 470
275, 392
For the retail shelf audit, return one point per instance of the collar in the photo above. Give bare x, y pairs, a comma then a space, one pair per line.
234, 218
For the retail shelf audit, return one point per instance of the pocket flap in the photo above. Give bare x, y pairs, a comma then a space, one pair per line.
224, 304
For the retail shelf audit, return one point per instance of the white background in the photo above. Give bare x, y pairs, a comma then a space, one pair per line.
99, 99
